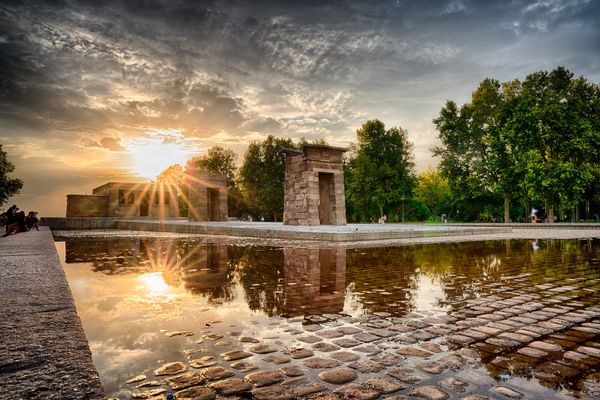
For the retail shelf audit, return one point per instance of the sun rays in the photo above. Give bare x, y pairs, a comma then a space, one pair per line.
157, 150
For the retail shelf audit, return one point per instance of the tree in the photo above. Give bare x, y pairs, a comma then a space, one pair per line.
432, 189
380, 169
474, 152
539, 138
262, 177
556, 123
8, 186
217, 160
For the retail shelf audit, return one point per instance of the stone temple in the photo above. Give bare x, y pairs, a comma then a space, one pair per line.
207, 196
314, 186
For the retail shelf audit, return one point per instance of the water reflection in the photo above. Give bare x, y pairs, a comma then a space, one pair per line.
127, 290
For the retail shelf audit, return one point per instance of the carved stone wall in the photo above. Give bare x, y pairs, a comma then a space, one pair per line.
207, 196
126, 200
80, 205
314, 186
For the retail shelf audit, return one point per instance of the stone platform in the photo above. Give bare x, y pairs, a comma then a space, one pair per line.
274, 230
44, 353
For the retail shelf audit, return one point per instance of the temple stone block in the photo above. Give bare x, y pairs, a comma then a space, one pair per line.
207, 196
314, 186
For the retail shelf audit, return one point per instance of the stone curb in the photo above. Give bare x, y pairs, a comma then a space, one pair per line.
44, 353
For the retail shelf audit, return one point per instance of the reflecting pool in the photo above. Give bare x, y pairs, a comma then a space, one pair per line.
500, 319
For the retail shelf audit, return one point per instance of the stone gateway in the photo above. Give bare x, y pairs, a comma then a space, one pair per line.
314, 186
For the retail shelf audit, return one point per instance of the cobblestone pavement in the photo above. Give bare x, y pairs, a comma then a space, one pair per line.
487, 348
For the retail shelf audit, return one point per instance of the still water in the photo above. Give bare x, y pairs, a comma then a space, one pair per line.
494, 318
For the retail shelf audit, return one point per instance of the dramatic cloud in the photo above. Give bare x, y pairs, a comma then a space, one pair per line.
84, 86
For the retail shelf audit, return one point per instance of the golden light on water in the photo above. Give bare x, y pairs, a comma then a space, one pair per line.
154, 282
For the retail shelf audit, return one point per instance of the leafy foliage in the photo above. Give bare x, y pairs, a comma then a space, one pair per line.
8, 186
538, 138
217, 160
432, 189
262, 177
380, 171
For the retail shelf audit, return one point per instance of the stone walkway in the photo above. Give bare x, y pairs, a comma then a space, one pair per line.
43, 350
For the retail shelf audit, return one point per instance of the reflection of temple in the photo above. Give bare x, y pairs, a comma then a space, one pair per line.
125, 256
205, 271
315, 281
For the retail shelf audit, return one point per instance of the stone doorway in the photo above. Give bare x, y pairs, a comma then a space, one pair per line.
212, 195
144, 205
326, 216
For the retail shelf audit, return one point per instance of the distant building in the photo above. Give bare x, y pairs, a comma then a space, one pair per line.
207, 196
126, 200
314, 186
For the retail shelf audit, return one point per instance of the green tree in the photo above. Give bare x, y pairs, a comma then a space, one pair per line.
475, 156
432, 189
380, 169
217, 160
556, 123
262, 177
8, 186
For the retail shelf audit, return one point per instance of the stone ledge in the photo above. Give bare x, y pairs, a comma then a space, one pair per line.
44, 353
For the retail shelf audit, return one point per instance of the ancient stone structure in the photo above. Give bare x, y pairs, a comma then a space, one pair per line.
314, 186
80, 205
126, 200
207, 196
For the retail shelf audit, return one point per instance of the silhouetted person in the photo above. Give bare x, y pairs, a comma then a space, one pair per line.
18, 226
32, 220
11, 216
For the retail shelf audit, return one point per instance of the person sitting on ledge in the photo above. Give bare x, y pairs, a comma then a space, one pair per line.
18, 226
32, 220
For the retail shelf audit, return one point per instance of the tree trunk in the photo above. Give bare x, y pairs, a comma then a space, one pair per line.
506, 208
527, 210
587, 210
551, 215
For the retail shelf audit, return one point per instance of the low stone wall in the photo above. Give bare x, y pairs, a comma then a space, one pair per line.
66, 224
44, 353
267, 231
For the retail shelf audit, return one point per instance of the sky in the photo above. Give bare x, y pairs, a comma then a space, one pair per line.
98, 91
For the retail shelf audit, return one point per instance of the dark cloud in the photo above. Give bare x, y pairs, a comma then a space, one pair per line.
111, 144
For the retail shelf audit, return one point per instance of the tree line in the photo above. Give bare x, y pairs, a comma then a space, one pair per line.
514, 146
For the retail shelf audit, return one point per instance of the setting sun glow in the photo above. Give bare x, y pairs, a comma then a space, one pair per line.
152, 155
154, 282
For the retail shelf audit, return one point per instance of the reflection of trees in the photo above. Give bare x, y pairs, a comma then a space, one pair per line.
261, 273
553, 272
112, 257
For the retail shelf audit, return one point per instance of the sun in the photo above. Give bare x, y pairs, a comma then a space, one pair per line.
153, 282
149, 156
